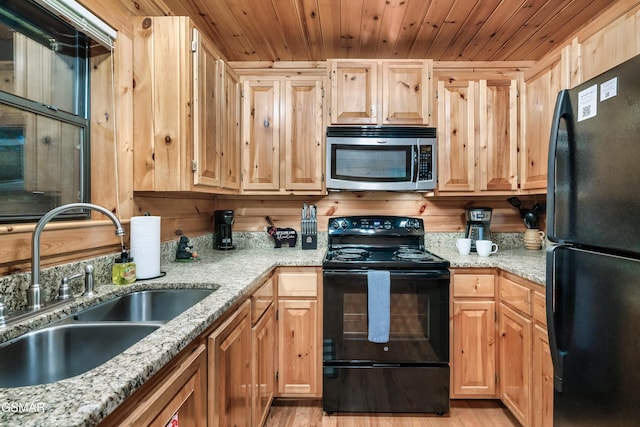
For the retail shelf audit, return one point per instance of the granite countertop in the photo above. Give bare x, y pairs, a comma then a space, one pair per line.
86, 399
530, 264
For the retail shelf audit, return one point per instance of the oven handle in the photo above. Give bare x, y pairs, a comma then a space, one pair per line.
427, 274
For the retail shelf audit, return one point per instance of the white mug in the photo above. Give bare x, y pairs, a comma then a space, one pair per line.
464, 246
486, 247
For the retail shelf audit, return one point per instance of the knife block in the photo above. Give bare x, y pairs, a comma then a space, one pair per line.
310, 241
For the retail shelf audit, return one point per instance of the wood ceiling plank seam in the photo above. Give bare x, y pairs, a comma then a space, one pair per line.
370, 27
290, 24
254, 17
508, 30
432, 24
453, 24
350, 22
311, 26
394, 13
528, 31
224, 30
411, 24
470, 28
560, 30
492, 26
330, 28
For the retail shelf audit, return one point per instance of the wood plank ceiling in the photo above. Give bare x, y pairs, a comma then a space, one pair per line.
447, 30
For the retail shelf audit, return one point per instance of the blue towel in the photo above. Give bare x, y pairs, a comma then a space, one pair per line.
379, 285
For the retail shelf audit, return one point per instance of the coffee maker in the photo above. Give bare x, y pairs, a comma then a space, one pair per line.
222, 223
478, 221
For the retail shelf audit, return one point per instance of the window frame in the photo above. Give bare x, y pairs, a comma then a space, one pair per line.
81, 120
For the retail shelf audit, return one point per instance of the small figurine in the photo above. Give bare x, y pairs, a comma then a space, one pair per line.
185, 250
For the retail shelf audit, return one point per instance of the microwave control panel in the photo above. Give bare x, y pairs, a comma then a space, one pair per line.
425, 169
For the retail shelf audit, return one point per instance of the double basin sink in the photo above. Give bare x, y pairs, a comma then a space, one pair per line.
91, 337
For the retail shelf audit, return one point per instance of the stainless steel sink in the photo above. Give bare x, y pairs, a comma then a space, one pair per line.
158, 305
65, 350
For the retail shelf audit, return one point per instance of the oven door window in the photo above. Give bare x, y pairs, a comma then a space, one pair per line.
419, 318
365, 163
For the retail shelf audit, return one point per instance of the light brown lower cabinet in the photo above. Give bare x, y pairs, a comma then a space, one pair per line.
299, 332
229, 390
542, 384
263, 360
180, 392
473, 335
526, 370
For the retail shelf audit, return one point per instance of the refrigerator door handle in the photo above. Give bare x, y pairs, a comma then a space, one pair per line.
552, 302
561, 112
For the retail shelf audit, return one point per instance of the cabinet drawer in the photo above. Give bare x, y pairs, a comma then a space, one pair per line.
539, 308
298, 284
473, 285
261, 299
515, 295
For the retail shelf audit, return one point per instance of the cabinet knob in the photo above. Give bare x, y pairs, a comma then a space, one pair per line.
266, 123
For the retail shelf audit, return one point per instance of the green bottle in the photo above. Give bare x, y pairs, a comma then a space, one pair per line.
124, 270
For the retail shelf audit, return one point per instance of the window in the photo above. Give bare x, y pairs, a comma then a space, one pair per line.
45, 105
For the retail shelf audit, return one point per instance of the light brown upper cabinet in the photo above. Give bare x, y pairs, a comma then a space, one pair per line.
178, 104
380, 92
282, 135
477, 135
541, 86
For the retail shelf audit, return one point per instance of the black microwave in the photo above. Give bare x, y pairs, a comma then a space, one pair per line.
381, 158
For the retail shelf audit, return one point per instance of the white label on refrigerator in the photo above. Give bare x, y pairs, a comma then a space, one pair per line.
588, 103
609, 89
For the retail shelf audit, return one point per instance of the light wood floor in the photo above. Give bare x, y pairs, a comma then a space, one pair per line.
463, 413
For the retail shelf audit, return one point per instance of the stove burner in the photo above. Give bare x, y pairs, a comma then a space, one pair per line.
351, 254
412, 254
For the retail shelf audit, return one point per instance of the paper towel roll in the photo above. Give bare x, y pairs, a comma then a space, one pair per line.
145, 246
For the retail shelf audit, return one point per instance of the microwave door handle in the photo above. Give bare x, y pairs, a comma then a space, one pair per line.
416, 169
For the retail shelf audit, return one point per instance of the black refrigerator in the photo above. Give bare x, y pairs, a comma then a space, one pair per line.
593, 264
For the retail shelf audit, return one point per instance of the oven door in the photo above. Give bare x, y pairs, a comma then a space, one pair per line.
419, 318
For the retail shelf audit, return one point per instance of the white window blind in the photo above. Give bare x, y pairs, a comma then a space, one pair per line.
82, 19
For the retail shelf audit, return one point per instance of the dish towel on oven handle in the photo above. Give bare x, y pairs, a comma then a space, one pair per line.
378, 299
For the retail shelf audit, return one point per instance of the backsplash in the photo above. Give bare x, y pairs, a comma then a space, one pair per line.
14, 286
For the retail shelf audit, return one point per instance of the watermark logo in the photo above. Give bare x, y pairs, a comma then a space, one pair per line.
22, 407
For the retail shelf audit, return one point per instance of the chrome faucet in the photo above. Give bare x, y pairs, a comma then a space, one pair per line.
34, 292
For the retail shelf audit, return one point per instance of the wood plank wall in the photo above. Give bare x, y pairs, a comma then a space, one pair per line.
444, 214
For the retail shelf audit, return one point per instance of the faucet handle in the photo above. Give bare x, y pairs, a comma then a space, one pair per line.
88, 281
64, 292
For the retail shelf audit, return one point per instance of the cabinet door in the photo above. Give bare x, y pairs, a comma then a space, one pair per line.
542, 394
474, 349
299, 362
264, 366
406, 92
354, 92
229, 371
456, 135
206, 132
498, 123
303, 135
540, 93
230, 128
515, 331
261, 135
181, 395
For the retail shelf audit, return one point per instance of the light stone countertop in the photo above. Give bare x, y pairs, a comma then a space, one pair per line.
86, 399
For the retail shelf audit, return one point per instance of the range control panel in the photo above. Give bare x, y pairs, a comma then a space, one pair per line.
376, 225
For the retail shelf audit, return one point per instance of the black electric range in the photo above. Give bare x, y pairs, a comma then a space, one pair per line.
406, 369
